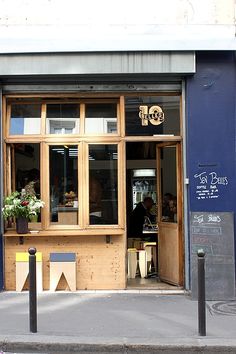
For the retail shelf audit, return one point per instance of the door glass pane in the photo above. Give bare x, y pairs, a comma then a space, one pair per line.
25, 119
101, 118
26, 173
63, 184
103, 200
63, 119
169, 184
152, 115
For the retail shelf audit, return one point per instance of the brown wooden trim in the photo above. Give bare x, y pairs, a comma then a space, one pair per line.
67, 232
43, 119
159, 191
160, 138
181, 115
13, 168
5, 169
8, 170
80, 164
167, 225
85, 182
180, 202
7, 121
150, 93
64, 95
82, 119
122, 116
4, 116
121, 185
44, 184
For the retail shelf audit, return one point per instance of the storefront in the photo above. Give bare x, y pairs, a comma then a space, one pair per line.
95, 149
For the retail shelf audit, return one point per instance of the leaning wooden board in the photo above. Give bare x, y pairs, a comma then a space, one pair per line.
214, 233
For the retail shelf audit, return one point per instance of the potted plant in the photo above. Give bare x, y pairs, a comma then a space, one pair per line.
21, 206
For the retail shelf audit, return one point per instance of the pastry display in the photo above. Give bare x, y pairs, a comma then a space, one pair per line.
69, 198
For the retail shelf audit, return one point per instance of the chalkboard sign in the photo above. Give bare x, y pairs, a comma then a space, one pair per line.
214, 233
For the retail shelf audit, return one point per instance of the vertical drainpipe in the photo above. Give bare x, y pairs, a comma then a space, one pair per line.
185, 191
1, 193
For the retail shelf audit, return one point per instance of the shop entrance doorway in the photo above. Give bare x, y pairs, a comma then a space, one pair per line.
154, 215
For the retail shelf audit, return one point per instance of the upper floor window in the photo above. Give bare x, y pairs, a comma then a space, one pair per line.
63, 119
25, 119
75, 117
101, 118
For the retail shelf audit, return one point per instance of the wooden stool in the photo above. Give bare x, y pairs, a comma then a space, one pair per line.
132, 262
142, 262
63, 263
22, 270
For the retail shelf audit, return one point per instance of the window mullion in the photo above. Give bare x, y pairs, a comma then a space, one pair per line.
44, 186
43, 118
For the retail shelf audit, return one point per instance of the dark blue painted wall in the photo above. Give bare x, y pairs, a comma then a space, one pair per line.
211, 122
211, 119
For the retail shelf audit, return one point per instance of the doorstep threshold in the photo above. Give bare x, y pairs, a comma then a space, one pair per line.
124, 291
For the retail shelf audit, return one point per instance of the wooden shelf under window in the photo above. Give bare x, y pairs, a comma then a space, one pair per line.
66, 232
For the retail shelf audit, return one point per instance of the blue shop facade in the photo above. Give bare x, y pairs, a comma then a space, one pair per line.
198, 87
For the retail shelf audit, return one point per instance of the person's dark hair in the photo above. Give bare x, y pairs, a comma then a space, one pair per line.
148, 199
168, 195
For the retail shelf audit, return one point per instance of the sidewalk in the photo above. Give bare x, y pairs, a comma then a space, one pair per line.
110, 322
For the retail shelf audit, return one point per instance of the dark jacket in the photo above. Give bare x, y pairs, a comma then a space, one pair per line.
137, 219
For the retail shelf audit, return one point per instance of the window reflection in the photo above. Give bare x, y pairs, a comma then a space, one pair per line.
101, 118
25, 119
103, 203
170, 105
63, 118
26, 171
64, 184
169, 184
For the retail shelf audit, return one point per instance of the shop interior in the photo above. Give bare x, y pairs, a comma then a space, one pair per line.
142, 212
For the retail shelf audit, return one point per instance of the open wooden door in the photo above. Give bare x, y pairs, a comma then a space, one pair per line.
170, 249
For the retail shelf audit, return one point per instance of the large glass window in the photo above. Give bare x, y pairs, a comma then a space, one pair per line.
152, 115
103, 193
26, 171
101, 118
63, 119
25, 119
63, 161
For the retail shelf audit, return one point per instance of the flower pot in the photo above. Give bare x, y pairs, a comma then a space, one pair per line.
22, 225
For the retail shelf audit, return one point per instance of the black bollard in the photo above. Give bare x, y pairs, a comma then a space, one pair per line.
201, 294
32, 290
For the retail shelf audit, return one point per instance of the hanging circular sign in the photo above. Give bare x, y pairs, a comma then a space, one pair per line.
154, 115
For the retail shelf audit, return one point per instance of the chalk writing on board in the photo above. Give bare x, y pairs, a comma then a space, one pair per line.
207, 230
208, 184
214, 233
209, 218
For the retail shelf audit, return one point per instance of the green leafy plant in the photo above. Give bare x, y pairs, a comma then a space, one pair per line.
21, 205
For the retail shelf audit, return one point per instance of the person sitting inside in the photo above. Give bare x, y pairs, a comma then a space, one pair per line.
138, 215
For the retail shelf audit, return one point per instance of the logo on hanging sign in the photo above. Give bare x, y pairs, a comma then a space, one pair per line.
154, 115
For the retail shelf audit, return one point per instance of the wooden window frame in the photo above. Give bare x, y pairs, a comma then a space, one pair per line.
82, 140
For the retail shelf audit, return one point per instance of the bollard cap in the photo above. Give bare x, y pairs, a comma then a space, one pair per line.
201, 253
32, 251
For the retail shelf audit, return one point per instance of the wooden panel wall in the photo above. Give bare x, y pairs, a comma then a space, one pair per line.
100, 265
